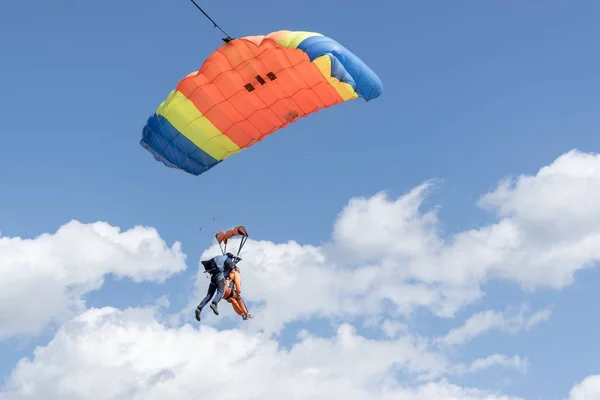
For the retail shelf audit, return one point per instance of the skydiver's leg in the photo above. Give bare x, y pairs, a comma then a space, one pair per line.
209, 294
220, 290
236, 306
242, 304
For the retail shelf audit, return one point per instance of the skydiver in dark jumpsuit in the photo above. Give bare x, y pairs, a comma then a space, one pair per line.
218, 267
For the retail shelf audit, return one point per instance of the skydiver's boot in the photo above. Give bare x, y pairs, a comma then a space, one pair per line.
215, 309
197, 312
246, 317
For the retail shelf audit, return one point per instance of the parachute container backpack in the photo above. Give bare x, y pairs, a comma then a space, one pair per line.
248, 89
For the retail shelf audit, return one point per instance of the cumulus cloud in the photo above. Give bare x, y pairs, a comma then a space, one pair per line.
588, 389
45, 278
387, 258
390, 251
555, 215
111, 354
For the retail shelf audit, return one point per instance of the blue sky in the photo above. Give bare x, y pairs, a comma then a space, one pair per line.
473, 92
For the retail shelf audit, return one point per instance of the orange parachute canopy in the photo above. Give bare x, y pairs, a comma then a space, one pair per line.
223, 237
248, 89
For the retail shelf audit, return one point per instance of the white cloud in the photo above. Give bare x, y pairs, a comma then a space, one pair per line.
386, 259
43, 279
393, 328
376, 228
484, 321
493, 360
588, 389
547, 230
111, 354
556, 215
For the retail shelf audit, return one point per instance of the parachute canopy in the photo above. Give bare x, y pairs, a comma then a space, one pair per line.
223, 237
249, 88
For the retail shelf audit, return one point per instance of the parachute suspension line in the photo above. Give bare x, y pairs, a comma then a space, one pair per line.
223, 238
242, 242
215, 25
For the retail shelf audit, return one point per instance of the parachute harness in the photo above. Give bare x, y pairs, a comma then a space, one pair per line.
223, 238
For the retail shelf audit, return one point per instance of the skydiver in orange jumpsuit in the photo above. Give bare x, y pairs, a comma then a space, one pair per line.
233, 292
